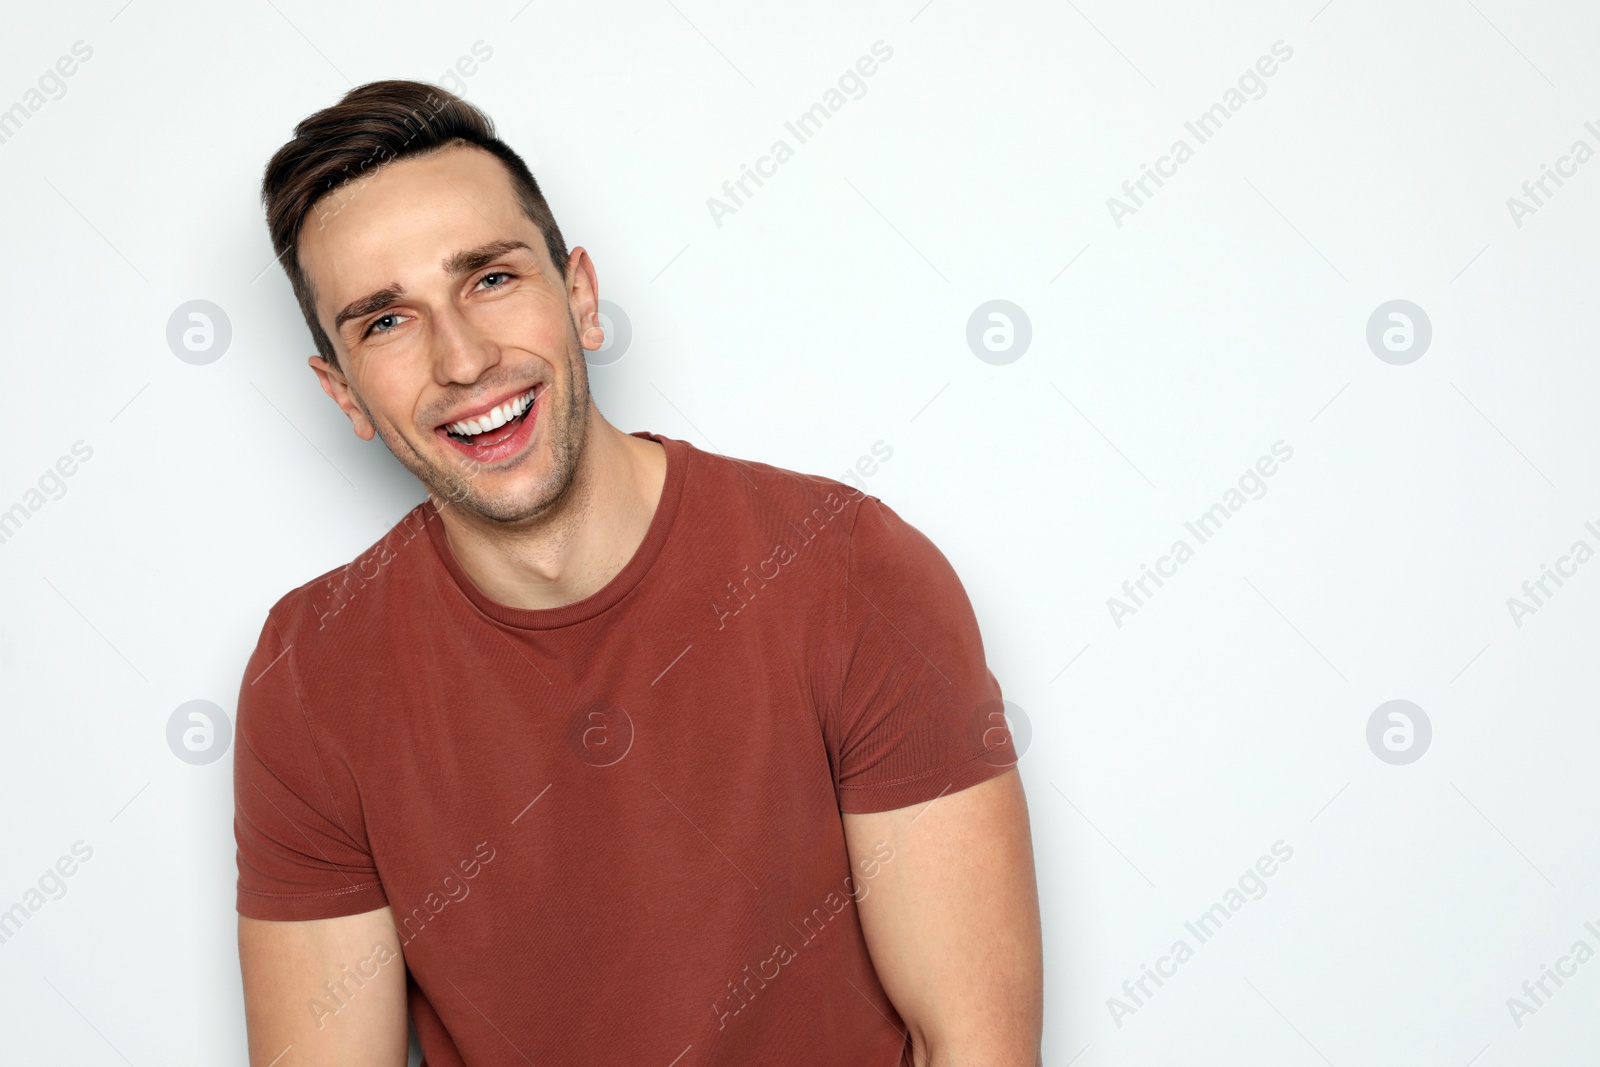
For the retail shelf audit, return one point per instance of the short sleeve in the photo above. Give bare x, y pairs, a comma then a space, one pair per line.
919, 713
301, 852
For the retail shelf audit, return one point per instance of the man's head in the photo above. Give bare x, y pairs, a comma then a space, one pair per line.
442, 299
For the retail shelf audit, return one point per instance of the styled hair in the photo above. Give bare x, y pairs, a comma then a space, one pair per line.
376, 124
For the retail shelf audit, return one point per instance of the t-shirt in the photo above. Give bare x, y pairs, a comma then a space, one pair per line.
610, 831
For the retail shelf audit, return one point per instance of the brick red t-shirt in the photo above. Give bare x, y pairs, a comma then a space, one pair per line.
610, 832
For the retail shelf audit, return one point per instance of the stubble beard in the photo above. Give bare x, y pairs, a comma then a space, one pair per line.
565, 428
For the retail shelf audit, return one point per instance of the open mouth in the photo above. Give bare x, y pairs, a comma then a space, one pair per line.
498, 433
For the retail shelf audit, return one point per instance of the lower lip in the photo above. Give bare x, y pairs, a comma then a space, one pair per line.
503, 450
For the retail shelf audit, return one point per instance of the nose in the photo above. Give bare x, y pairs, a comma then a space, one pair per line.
461, 353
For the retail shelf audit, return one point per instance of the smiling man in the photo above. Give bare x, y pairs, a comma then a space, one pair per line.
614, 750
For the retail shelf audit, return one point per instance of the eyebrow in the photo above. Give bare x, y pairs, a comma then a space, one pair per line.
463, 262
366, 305
470, 260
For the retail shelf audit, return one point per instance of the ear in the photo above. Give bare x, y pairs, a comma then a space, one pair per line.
335, 385
583, 298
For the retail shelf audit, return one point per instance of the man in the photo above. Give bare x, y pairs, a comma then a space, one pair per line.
614, 750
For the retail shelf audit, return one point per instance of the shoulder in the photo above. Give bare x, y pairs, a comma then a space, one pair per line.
754, 488
757, 481
872, 538
360, 590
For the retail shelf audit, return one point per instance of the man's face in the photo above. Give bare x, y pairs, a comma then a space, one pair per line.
456, 335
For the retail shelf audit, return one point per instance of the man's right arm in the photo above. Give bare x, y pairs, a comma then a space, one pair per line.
328, 992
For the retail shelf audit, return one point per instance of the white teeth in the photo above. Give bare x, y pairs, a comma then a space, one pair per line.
493, 419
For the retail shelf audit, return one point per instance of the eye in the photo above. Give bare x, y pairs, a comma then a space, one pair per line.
378, 324
504, 274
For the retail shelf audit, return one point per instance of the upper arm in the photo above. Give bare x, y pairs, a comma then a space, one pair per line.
952, 922
321, 985
326, 991
917, 709
303, 851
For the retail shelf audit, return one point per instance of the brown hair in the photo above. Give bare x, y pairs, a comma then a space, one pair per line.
372, 125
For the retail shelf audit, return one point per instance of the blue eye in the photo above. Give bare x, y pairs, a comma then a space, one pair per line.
376, 328
496, 274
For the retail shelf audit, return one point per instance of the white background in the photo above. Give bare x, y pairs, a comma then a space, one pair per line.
829, 313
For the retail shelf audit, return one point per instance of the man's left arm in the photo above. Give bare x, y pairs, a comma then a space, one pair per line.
952, 923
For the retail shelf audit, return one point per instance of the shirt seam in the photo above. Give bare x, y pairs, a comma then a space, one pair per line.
441, 547
837, 711
891, 783
315, 893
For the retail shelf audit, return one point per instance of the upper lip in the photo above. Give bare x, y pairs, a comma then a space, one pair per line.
487, 406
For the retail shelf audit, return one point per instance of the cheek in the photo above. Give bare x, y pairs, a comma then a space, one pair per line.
534, 322
391, 387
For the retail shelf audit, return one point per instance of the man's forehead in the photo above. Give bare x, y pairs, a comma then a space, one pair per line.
435, 173
415, 215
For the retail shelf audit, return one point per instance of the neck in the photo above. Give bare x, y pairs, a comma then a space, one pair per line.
572, 551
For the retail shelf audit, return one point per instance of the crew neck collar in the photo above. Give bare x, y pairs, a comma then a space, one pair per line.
621, 583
